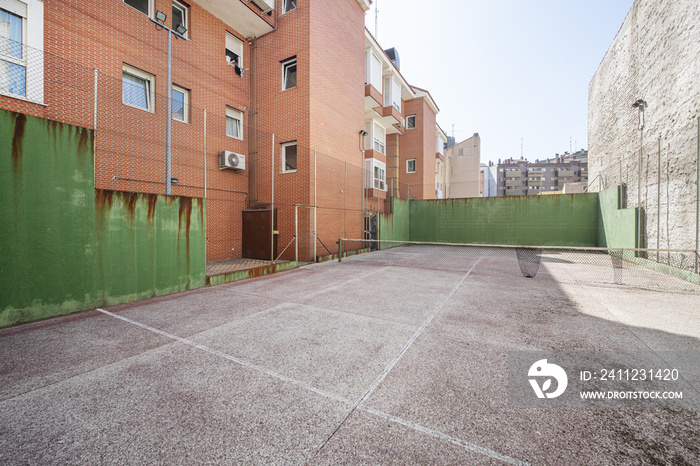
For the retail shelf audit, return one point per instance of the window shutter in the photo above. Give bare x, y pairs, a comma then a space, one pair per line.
14, 7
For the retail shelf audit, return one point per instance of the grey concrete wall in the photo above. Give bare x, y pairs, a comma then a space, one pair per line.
655, 57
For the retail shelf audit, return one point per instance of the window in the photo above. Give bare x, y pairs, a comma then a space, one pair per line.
375, 172
13, 59
289, 74
234, 50
289, 157
392, 93
181, 104
374, 71
411, 122
234, 123
144, 6
180, 16
379, 139
411, 166
137, 88
288, 5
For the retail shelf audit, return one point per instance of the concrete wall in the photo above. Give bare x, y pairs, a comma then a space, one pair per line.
563, 220
463, 161
66, 247
655, 57
617, 227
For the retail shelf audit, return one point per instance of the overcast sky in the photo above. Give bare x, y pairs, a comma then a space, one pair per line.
506, 69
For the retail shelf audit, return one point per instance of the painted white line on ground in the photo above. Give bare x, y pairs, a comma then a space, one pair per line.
232, 358
354, 405
410, 342
442, 436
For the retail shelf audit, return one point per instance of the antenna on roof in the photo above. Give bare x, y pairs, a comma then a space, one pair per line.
376, 20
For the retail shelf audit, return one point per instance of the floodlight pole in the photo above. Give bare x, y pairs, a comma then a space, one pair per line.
169, 123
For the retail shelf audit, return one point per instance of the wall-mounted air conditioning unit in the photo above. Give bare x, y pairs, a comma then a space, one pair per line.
231, 160
264, 5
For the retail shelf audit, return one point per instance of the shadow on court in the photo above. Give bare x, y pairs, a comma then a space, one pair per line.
358, 362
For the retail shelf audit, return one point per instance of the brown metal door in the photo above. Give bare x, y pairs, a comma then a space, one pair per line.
257, 234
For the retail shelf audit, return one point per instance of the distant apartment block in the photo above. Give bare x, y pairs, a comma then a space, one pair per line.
463, 162
487, 180
523, 178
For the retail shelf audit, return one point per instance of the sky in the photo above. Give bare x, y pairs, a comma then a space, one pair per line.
514, 71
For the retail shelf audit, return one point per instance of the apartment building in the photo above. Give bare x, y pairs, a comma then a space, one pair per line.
256, 107
403, 143
463, 172
523, 178
440, 166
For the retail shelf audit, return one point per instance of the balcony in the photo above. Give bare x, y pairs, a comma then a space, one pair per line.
534, 182
373, 98
535, 173
251, 18
513, 174
513, 183
514, 192
565, 174
390, 118
584, 173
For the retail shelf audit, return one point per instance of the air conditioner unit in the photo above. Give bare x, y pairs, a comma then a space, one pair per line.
263, 5
231, 160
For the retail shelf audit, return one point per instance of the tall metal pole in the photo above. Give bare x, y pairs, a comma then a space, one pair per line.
205, 153
315, 208
272, 203
697, 205
169, 124
658, 203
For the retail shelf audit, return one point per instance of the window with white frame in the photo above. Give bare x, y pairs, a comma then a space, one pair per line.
379, 138
288, 5
392, 93
289, 157
181, 104
411, 122
374, 71
375, 172
13, 53
180, 16
234, 50
289, 73
138, 88
144, 6
411, 166
234, 123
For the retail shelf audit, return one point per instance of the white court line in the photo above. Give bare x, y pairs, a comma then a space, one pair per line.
410, 342
354, 405
231, 358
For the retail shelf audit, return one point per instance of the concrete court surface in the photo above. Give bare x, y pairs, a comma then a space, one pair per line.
355, 363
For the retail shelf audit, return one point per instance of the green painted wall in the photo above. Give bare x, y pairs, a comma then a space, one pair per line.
66, 247
395, 226
558, 220
617, 227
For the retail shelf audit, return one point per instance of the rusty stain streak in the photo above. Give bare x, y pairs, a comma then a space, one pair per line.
17, 140
185, 210
130, 200
200, 205
84, 142
152, 202
103, 198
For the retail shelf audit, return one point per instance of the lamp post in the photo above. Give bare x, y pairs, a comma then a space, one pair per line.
178, 32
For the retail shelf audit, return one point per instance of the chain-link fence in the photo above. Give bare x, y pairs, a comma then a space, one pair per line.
217, 154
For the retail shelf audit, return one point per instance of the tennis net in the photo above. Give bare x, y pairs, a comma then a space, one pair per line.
644, 268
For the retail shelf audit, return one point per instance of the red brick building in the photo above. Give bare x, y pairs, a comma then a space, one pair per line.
276, 84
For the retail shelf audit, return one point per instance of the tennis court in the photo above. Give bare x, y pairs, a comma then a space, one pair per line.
399, 356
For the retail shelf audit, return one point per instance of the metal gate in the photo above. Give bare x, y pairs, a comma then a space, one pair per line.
259, 242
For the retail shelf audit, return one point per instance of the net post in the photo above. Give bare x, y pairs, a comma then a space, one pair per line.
340, 249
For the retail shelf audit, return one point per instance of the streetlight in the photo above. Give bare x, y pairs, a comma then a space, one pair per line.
178, 32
